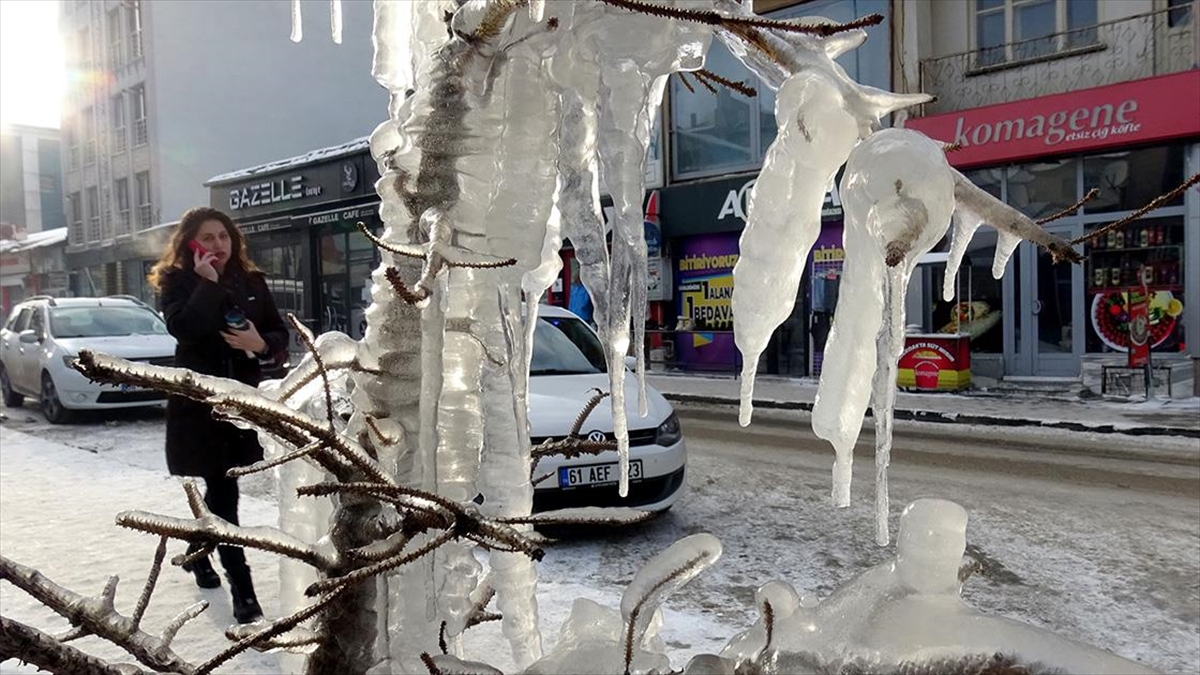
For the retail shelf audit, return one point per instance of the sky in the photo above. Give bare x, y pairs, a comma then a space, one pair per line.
32, 77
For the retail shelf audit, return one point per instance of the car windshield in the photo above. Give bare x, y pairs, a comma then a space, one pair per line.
88, 322
565, 346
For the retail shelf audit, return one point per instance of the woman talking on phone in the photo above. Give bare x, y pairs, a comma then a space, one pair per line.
218, 307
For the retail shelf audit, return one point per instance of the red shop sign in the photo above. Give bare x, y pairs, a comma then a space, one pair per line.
1153, 109
1139, 328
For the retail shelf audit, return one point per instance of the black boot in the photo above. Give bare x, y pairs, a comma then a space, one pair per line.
206, 576
245, 603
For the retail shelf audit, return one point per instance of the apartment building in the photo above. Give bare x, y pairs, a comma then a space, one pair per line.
163, 94
1049, 99
31, 203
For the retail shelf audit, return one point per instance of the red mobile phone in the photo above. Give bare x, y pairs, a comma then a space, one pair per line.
195, 246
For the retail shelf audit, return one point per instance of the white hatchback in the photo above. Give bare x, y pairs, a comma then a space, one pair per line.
567, 367
43, 335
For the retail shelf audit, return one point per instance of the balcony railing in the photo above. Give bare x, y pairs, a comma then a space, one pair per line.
145, 216
76, 233
123, 222
89, 152
120, 141
139, 132
1157, 43
94, 233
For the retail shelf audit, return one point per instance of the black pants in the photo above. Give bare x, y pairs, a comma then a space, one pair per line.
221, 497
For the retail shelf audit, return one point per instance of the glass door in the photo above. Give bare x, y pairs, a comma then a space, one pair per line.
1053, 317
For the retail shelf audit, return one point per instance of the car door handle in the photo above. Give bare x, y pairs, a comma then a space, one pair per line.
1037, 307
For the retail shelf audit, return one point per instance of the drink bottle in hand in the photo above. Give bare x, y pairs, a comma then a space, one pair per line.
236, 320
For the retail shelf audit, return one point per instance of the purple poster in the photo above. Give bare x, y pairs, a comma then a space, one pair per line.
704, 281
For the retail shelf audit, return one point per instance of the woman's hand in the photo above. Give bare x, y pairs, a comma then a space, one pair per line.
248, 340
203, 264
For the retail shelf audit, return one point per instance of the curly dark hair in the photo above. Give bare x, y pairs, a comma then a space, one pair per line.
179, 257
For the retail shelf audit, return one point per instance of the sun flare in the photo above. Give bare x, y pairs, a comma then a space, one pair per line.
32, 79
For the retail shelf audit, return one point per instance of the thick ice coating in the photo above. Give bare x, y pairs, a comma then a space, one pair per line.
890, 221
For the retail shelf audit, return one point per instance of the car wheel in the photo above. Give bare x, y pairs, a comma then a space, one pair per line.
11, 398
52, 406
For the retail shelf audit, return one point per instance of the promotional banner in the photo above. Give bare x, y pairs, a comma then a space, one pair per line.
1139, 328
704, 275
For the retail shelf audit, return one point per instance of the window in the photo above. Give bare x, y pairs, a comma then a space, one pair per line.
1180, 14
120, 140
121, 190
71, 126
1019, 30
75, 204
83, 46
19, 320
727, 132
145, 212
93, 212
88, 322
140, 135
89, 136
116, 49
134, 16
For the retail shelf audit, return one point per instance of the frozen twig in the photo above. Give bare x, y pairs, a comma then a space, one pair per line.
737, 85
720, 20
182, 618
277, 627
306, 337
1070, 209
151, 580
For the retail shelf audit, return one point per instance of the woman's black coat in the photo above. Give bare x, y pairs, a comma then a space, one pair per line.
194, 307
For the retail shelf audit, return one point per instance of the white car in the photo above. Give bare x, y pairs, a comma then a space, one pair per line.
43, 335
567, 367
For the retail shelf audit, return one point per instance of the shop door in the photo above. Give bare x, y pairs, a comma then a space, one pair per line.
1053, 324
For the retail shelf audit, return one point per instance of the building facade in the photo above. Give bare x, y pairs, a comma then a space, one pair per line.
1048, 100
166, 93
31, 202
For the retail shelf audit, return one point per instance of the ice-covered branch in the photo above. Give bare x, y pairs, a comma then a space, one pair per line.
972, 199
208, 528
19, 641
151, 580
97, 616
726, 21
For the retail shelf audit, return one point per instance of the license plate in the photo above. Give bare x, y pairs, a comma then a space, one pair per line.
596, 474
131, 389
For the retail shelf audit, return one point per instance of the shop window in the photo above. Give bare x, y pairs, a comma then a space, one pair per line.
1041, 189
1130, 179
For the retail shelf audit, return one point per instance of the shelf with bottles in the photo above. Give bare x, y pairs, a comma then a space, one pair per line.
1094, 251
1138, 237
1174, 288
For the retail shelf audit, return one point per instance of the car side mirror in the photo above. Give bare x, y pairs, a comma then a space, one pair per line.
29, 336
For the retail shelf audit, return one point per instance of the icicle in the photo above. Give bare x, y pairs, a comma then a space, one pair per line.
815, 135
965, 225
297, 22
1006, 244
335, 20
889, 346
664, 574
537, 10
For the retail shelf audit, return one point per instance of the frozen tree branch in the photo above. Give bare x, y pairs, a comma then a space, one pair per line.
151, 580
208, 528
97, 616
725, 21
306, 337
28, 644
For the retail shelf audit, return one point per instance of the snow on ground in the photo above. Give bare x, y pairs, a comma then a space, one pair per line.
1115, 568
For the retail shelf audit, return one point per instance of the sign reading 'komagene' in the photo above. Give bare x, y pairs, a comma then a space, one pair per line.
1154, 109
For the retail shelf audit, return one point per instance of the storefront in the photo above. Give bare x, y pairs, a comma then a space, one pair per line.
1133, 142
300, 218
703, 222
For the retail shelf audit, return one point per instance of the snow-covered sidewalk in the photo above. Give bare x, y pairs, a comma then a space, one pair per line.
1173, 417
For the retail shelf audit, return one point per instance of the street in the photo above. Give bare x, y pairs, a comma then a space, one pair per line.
1095, 537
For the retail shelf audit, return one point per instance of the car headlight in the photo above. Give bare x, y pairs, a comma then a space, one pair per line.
669, 432
69, 359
